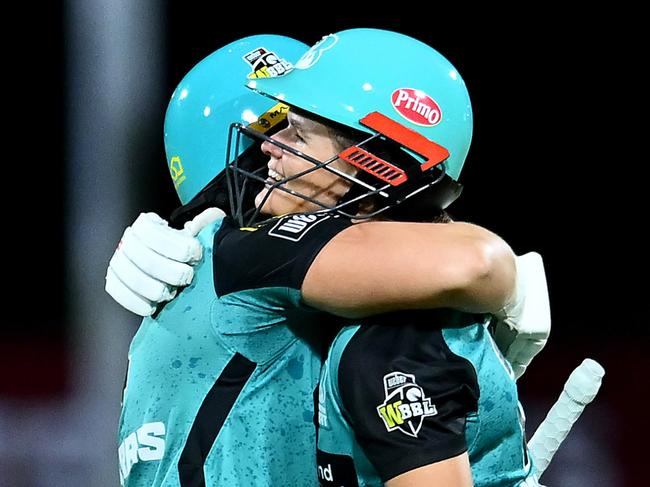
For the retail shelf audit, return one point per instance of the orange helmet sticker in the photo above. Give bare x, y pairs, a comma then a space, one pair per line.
433, 153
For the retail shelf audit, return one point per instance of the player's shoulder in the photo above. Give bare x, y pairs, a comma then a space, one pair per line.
372, 353
387, 336
277, 252
305, 227
288, 228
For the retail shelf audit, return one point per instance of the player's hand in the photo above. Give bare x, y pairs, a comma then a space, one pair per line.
522, 326
153, 260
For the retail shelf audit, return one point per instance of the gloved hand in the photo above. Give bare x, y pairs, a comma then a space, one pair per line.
153, 260
522, 327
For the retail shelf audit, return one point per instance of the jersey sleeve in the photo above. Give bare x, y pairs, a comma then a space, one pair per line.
406, 397
277, 254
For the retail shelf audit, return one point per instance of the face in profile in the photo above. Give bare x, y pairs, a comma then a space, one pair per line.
315, 140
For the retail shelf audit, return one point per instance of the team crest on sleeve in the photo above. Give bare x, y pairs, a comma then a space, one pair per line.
405, 406
266, 64
295, 227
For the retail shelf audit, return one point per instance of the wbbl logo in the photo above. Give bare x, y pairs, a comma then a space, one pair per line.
266, 64
405, 406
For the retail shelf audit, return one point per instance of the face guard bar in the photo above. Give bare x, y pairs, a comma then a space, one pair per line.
388, 183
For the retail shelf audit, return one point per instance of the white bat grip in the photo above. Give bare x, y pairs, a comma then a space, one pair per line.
579, 390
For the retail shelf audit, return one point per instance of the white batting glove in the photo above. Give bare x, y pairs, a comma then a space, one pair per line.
153, 260
522, 327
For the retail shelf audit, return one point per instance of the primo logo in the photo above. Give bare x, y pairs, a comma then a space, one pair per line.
144, 445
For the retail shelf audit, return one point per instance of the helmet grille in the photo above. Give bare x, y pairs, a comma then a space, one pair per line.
374, 165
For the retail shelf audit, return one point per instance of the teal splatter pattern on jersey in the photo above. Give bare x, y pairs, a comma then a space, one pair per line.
219, 390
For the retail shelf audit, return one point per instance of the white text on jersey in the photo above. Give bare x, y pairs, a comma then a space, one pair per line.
144, 445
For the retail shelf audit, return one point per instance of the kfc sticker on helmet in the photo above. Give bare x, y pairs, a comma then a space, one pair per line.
416, 107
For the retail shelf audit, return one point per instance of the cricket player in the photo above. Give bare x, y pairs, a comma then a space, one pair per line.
407, 398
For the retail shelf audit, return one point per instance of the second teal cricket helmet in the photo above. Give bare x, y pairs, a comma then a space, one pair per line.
211, 97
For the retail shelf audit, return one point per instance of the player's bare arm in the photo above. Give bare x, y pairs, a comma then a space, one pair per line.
453, 472
377, 267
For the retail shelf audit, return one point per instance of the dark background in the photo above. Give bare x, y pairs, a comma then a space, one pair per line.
552, 168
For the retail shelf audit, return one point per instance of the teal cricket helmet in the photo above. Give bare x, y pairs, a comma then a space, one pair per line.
211, 97
381, 81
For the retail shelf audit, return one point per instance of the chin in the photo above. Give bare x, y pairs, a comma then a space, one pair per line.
279, 203
260, 197
270, 206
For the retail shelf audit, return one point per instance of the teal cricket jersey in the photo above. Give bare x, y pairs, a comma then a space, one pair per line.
220, 385
401, 392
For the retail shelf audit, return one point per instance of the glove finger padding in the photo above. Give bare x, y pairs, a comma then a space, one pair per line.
522, 352
202, 220
174, 244
523, 326
135, 279
126, 297
154, 264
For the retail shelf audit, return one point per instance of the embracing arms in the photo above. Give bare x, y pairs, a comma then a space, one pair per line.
376, 267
